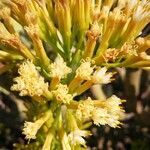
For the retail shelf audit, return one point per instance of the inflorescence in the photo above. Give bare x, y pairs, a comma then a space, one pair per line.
61, 49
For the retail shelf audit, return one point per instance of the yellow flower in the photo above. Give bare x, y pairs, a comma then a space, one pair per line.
29, 82
85, 109
111, 54
85, 70
76, 137
61, 94
113, 101
94, 32
59, 68
115, 111
31, 128
130, 48
108, 112
101, 77
100, 116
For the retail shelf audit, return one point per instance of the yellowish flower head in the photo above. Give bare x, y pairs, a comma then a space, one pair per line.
30, 130
115, 111
113, 121
85, 70
130, 48
101, 77
85, 109
111, 54
108, 112
29, 82
113, 101
76, 137
100, 116
94, 31
61, 94
59, 68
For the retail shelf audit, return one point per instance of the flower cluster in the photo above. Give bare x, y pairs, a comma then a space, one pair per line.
101, 112
29, 82
31, 128
59, 68
65, 48
61, 94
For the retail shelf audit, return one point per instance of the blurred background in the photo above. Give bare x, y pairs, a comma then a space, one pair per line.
134, 134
